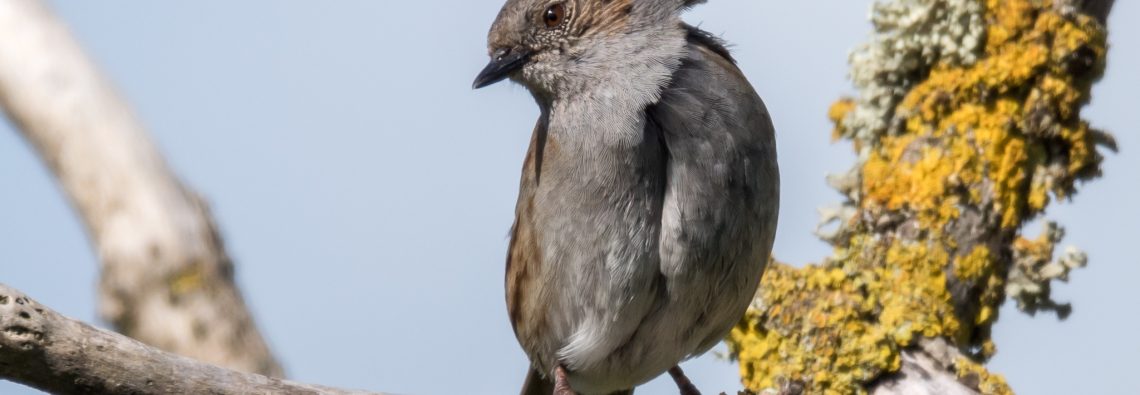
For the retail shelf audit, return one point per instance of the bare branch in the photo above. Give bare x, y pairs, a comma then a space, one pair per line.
921, 375
924, 371
43, 349
166, 278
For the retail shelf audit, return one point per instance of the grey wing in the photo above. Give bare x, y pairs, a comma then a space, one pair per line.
722, 190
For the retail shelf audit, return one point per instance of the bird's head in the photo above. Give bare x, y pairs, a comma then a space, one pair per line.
553, 46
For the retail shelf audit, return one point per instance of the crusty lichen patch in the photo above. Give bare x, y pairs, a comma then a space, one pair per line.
910, 37
986, 381
981, 143
813, 331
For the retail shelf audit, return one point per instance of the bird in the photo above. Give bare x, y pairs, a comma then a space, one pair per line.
649, 194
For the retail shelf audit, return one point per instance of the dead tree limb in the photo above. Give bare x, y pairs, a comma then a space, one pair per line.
166, 279
43, 349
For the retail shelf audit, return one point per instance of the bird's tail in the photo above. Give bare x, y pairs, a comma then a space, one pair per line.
537, 384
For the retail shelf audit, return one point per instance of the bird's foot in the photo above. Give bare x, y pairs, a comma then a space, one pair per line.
683, 383
562, 382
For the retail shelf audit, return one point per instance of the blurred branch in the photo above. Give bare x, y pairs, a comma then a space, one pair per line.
166, 278
45, 350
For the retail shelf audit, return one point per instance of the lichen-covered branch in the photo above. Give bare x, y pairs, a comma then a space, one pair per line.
45, 350
967, 125
166, 278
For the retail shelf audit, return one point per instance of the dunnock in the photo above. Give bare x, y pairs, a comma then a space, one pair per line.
649, 195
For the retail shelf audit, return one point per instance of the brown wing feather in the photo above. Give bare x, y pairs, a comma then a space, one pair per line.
524, 258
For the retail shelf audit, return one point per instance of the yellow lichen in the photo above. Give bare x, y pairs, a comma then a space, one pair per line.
992, 140
837, 113
974, 265
811, 310
987, 383
188, 280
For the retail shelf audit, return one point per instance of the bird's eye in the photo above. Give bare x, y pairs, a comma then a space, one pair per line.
553, 15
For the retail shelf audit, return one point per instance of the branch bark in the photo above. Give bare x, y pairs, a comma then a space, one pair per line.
166, 278
45, 350
925, 372
1096, 8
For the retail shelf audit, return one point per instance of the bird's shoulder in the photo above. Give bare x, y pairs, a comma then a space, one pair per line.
712, 122
709, 96
696, 37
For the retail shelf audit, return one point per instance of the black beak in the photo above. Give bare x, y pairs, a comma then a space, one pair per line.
503, 63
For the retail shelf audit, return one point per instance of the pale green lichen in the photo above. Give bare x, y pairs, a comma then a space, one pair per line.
910, 37
968, 151
1034, 270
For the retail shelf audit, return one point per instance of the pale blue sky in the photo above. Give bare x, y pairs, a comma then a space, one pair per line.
365, 191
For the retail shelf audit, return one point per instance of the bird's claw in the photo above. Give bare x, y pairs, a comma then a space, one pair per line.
562, 382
